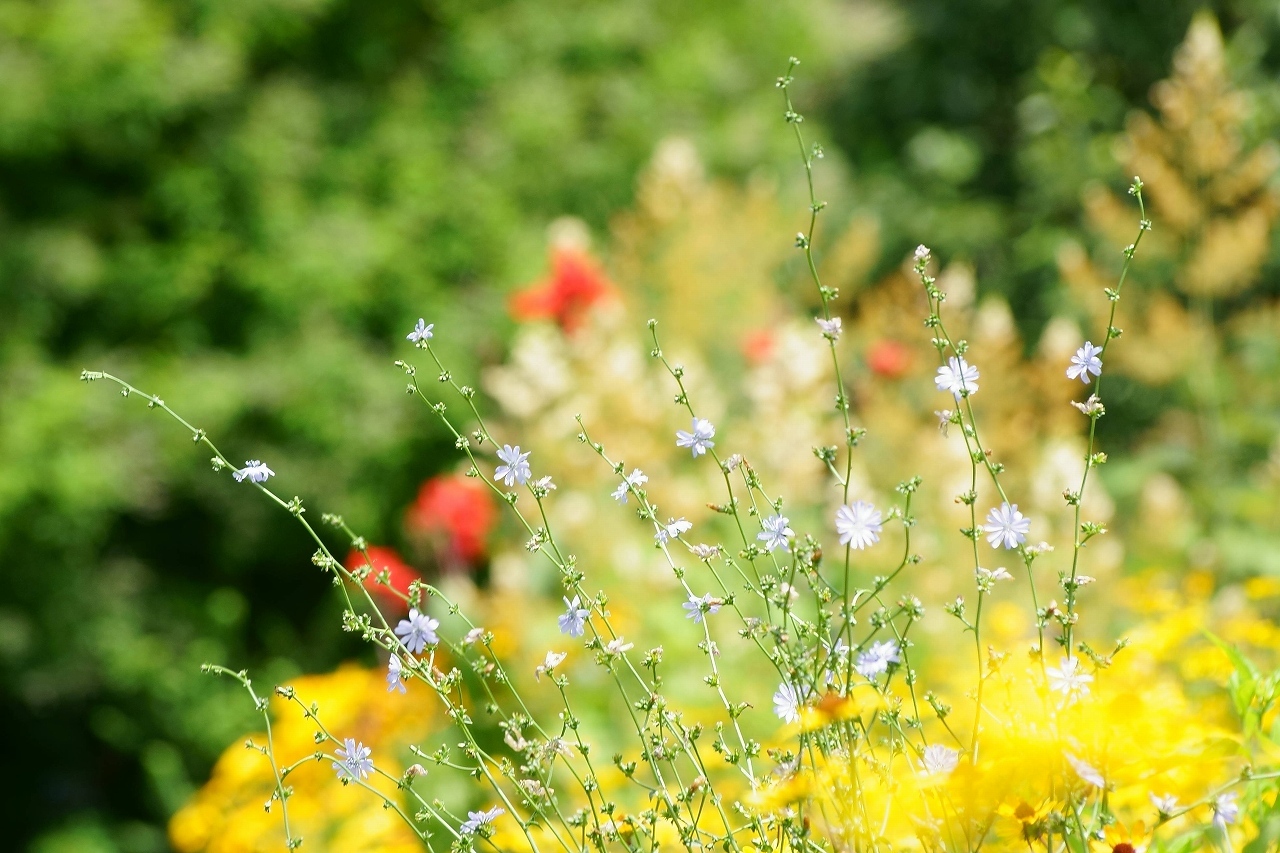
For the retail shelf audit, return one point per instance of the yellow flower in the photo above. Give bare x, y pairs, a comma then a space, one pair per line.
1127, 839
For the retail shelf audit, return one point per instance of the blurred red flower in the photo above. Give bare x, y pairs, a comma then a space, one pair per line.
575, 284
401, 573
459, 508
758, 345
889, 358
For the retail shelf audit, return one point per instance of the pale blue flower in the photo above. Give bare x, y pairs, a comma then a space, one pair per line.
698, 606
515, 467
418, 631
394, 670
775, 533
1006, 527
1225, 810
253, 471
574, 620
475, 820
1084, 362
699, 440
875, 660
786, 703
634, 480
422, 332
355, 762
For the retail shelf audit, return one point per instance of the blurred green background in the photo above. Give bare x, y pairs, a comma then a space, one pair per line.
243, 205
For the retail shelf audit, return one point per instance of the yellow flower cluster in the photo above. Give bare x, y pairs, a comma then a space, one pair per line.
232, 813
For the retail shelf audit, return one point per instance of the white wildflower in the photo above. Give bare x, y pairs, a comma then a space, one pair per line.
618, 645
550, 662
699, 439
786, 703
634, 480
1068, 679
1085, 771
672, 530
253, 471
939, 759
858, 525
1166, 804
1006, 527
957, 377
831, 329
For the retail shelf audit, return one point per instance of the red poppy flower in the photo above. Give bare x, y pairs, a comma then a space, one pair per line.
401, 573
889, 358
459, 508
575, 284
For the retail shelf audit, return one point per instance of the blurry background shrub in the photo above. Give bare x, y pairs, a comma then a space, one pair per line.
244, 205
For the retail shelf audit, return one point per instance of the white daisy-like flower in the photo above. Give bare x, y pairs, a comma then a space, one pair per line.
515, 466
634, 480
476, 820
394, 670
1006, 527
673, 529
1166, 804
957, 377
939, 759
922, 252
418, 631
574, 620
354, 761
786, 703
1000, 574
421, 333
1085, 771
704, 552
1085, 362
775, 533
944, 420
473, 636
698, 606
831, 329
1226, 810
253, 471
545, 484
698, 440
1068, 679
858, 525
876, 660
